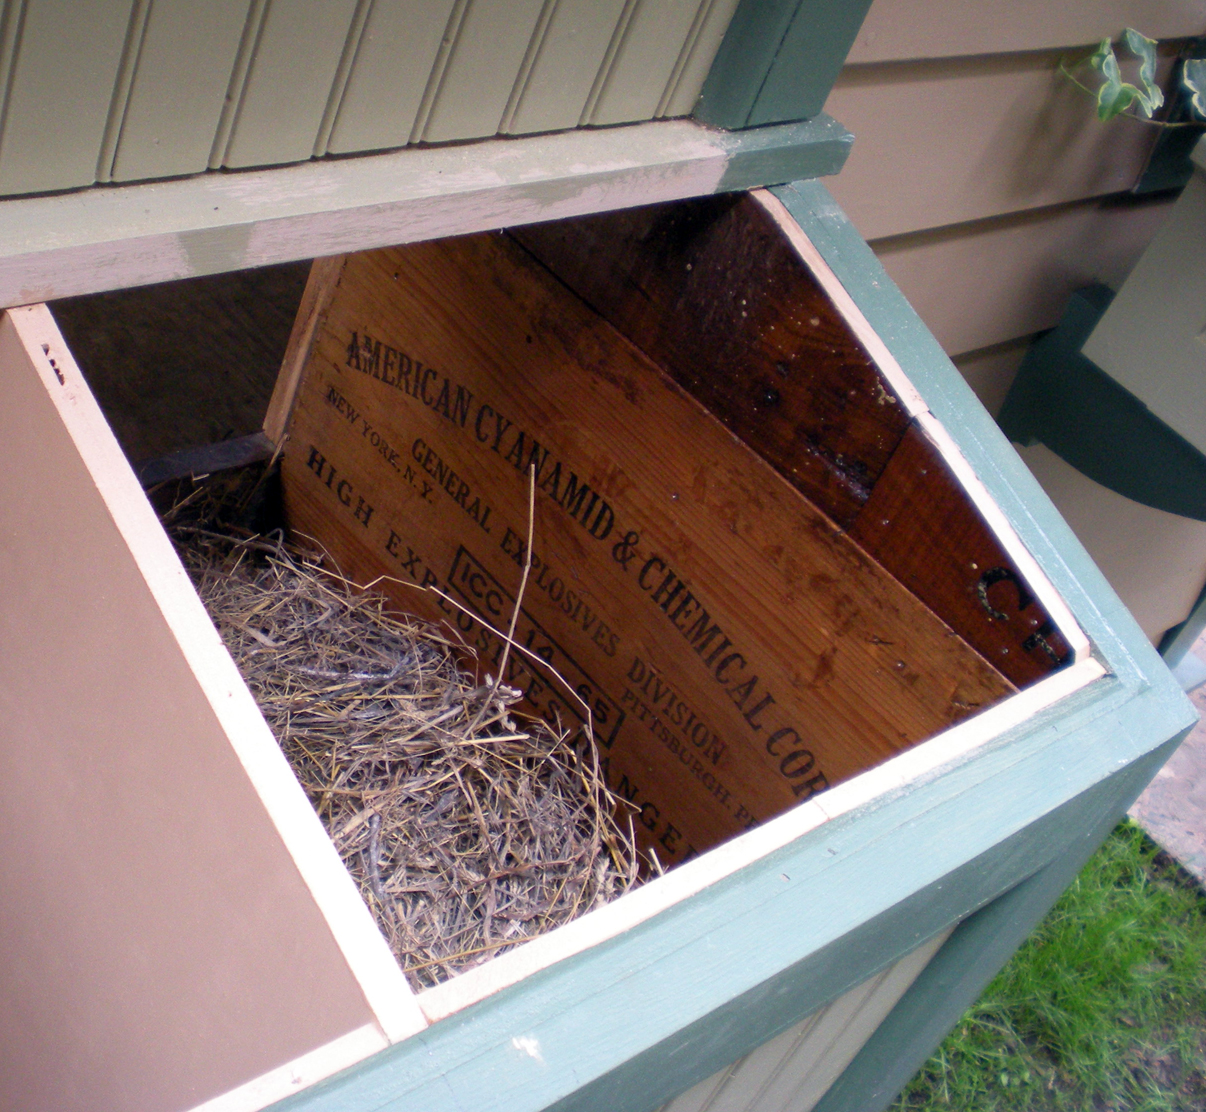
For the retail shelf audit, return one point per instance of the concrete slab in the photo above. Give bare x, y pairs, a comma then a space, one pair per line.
1173, 808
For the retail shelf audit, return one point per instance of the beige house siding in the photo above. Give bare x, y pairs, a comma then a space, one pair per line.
981, 177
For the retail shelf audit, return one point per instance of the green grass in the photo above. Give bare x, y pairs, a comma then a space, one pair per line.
1102, 1010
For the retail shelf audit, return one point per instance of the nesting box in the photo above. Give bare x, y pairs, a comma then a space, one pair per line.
824, 646
755, 566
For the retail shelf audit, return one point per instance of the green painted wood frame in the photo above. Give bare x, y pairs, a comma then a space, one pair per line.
973, 955
633, 1021
778, 60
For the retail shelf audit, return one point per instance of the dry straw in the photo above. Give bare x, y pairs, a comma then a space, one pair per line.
467, 828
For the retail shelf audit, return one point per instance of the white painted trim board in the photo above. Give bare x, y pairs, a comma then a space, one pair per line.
302, 1072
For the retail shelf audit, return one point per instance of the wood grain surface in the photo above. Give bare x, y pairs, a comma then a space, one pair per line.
182, 364
712, 292
739, 653
919, 524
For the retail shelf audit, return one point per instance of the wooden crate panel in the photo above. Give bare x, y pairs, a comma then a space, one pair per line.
720, 298
739, 652
712, 292
919, 526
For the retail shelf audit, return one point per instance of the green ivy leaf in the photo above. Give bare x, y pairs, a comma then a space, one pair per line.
1105, 49
1193, 78
1114, 95
1150, 97
1114, 99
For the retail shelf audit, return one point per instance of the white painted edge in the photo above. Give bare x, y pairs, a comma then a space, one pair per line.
910, 400
302, 1072
694, 876
915, 406
366, 951
1036, 579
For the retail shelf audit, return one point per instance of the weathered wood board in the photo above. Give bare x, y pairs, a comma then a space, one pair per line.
919, 525
738, 652
714, 292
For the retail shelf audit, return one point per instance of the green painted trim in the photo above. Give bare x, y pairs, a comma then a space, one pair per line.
972, 956
1063, 399
757, 952
784, 152
745, 57
809, 60
778, 61
909, 924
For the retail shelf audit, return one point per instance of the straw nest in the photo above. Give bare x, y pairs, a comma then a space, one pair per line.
466, 827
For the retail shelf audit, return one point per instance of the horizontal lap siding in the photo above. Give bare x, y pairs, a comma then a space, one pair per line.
983, 179
990, 370
902, 29
985, 283
940, 143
